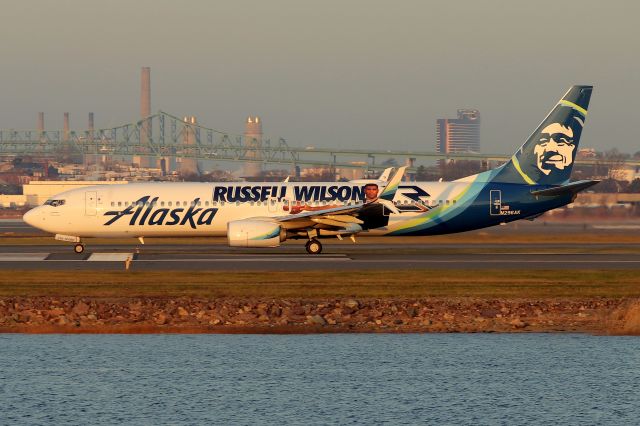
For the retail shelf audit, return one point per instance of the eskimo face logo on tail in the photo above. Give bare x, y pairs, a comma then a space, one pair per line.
548, 155
145, 212
555, 149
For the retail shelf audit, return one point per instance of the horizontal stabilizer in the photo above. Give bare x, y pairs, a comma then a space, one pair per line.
571, 188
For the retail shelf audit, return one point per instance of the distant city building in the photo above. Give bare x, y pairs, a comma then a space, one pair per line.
460, 134
625, 172
36, 193
586, 154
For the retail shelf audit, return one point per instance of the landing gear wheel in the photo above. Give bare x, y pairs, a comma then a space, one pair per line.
313, 246
78, 248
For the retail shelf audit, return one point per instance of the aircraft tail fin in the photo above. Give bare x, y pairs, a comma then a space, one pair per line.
547, 157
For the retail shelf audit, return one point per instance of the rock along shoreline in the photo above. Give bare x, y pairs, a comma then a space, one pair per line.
150, 315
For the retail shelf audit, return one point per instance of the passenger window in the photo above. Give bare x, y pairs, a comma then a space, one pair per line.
184, 204
206, 203
447, 202
119, 203
162, 203
113, 204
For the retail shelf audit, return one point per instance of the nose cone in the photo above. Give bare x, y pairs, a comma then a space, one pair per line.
31, 217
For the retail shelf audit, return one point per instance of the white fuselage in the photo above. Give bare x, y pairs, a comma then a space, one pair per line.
205, 209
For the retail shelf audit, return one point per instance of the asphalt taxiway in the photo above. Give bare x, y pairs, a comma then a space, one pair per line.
293, 258
336, 256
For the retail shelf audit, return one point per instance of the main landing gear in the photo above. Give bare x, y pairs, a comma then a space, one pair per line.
313, 246
78, 248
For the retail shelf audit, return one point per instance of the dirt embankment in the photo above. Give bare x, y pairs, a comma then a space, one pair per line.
232, 315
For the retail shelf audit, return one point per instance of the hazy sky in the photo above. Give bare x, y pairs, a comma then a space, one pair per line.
355, 74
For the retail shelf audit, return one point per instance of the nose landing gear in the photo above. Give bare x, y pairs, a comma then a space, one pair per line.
313, 246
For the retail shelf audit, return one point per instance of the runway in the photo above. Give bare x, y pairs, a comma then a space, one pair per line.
345, 256
165, 258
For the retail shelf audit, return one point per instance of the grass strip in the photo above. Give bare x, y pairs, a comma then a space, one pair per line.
525, 284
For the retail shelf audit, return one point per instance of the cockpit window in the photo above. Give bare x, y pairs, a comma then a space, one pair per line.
54, 203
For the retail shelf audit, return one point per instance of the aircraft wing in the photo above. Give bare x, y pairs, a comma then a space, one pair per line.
328, 211
340, 220
343, 219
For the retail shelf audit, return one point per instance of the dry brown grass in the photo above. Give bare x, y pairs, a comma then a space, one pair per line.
322, 284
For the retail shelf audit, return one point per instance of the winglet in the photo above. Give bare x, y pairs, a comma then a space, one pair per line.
385, 175
390, 190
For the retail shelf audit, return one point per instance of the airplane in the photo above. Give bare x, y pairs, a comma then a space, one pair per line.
534, 180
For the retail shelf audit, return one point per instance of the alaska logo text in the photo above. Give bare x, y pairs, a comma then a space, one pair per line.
145, 212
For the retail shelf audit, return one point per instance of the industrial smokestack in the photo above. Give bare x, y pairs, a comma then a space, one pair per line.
41, 122
145, 111
145, 93
66, 126
253, 141
90, 158
189, 165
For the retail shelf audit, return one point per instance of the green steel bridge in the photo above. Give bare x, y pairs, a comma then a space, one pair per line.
163, 135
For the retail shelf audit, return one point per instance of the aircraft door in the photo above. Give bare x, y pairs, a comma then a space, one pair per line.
495, 202
100, 197
91, 200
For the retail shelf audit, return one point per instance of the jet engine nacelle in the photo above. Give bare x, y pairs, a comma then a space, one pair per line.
255, 233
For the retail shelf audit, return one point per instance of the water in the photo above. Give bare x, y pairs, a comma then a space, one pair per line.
319, 379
